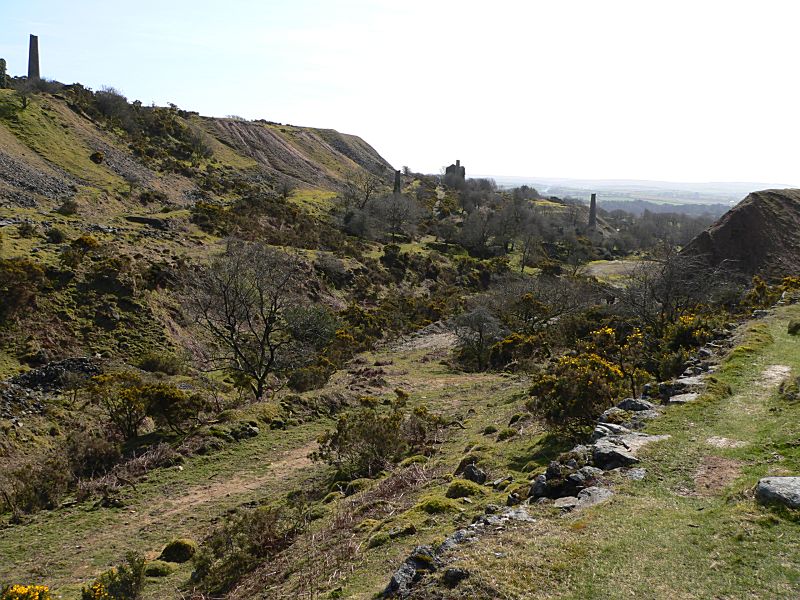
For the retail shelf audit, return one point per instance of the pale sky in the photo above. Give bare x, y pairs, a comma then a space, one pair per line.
679, 91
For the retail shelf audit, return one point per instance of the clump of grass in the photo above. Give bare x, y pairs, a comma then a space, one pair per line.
158, 568
435, 505
179, 551
461, 488
506, 434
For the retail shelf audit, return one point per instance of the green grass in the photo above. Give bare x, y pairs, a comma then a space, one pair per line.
43, 128
670, 535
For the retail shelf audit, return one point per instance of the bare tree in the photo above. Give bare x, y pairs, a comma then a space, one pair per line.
477, 330
285, 188
360, 187
399, 214
242, 300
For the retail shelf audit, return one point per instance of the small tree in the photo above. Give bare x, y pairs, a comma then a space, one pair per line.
243, 300
477, 330
119, 396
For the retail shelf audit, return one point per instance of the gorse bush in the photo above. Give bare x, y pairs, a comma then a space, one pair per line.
25, 592
125, 582
20, 282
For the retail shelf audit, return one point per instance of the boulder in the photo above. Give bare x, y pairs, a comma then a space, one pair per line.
602, 430
683, 398
636, 405
610, 453
474, 474
779, 490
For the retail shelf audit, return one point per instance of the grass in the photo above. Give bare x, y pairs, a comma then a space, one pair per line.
691, 528
42, 127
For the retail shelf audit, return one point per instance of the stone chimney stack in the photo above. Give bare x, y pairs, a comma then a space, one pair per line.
593, 212
33, 58
397, 182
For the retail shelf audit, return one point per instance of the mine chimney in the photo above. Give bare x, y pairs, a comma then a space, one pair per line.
33, 58
593, 212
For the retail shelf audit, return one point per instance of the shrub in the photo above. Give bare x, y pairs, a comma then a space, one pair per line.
575, 390
20, 282
794, 327
158, 568
179, 551
68, 208
26, 230
489, 430
35, 484
25, 592
161, 362
55, 235
124, 582
118, 396
246, 540
170, 406
461, 488
368, 439
92, 453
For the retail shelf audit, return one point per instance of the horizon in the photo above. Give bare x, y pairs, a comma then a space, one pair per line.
578, 92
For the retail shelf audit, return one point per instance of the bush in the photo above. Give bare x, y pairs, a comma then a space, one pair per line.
35, 484
25, 592
368, 439
55, 235
794, 327
379, 539
170, 406
158, 568
68, 208
489, 430
26, 230
20, 282
179, 551
118, 396
462, 488
574, 391
161, 362
92, 453
240, 544
124, 582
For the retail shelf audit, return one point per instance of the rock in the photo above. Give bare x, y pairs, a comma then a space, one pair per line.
610, 453
513, 499
636, 405
605, 429
453, 576
592, 496
422, 559
781, 490
636, 474
566, 503
704, 353
474, 474
683, 398
539, 487
492, 509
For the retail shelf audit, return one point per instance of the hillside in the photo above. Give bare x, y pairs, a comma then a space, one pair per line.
757, 236
46, 150
237, 341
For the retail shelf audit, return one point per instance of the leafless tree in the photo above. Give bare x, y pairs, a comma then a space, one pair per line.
360, 187
241, 300
398, 213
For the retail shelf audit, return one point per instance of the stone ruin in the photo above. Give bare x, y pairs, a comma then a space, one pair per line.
593, 212
3, 75
456, 171
397, 182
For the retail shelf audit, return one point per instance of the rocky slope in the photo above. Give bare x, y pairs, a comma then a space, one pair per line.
758, 236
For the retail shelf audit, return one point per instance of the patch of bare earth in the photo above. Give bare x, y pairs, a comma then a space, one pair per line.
774, 375
714, 474
292, 461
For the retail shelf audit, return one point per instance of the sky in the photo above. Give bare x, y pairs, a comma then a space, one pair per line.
676, 91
